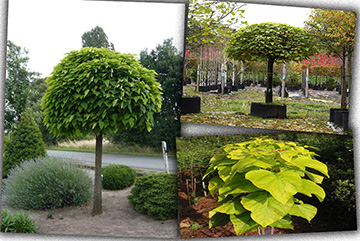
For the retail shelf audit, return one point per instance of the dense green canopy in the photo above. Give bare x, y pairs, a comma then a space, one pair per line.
99, 90
271, 41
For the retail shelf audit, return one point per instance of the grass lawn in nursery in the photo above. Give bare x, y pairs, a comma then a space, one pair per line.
233, 109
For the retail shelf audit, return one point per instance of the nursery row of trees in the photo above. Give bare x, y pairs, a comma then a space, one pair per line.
323, 47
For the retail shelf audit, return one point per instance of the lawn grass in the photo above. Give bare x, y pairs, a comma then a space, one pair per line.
303, 114
108, 148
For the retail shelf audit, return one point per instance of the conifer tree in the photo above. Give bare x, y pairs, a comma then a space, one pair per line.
25, 143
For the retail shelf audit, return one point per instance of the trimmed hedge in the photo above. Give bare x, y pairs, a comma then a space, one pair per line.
156, 195
117, 177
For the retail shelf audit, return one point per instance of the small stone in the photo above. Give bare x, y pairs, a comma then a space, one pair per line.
61, 217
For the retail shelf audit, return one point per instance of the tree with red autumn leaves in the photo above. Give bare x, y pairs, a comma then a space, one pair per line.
335, 30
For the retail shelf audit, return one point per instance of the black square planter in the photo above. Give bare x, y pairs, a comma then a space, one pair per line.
190, 105
268, 110
340, 117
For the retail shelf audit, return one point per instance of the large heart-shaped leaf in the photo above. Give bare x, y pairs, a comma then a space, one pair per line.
306, 211
218, 219
264, 208
214, 184
237, 185
243, 223
308, 161
231, 207
281, 185
285, 222
309, 188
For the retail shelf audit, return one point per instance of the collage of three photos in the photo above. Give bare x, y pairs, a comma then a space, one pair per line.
210, 119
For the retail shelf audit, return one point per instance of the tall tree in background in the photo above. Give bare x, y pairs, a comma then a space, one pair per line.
271, 42
210, 25
210, 22
96, 38
336, 31
17, 84
167, 63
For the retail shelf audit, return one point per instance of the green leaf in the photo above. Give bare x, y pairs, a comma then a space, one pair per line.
285, 223
264, 208
282, 185
218, 219
224, 172
314, 177
312, 163
84, 104
237, 185
107, 82
231, 207
309, 188
306, 211
131, 122
214, 184
101, 124
243, 223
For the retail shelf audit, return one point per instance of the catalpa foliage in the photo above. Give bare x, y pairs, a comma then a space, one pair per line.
97, 90
257, 181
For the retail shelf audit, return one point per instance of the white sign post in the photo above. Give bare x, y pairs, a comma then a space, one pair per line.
164, 149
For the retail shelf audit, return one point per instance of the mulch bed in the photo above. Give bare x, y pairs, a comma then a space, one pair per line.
198, 213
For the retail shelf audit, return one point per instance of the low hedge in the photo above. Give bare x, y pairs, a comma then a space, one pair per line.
156, 195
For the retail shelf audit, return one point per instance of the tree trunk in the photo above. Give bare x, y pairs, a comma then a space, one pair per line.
343, 83
254, 77
97, 204
236, 81
349, 70
283, 82
269, 94
307, 83
198, 78
242, 72
222, 79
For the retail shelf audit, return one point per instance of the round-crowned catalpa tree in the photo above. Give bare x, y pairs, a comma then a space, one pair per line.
97, 90
271, 42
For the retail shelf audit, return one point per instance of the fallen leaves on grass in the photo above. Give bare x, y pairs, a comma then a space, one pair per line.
243, 120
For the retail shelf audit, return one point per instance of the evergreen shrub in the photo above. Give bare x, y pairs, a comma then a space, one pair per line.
156, 195
17, 223
116, 177
46, 183
25, 144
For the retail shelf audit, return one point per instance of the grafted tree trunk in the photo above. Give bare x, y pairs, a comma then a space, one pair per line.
97, 204
269, 94
283, 81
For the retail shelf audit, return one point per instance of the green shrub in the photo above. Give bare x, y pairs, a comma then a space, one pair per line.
116, 177
257, 181
17, 223
25, 144
46, 183
156, 195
